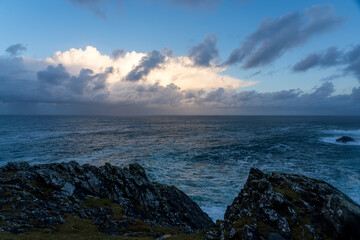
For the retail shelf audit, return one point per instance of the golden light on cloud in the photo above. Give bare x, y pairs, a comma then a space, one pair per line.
180, 71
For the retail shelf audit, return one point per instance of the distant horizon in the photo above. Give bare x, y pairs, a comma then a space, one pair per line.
206, 57
174, 115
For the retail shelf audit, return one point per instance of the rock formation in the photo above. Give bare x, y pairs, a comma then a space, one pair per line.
345, 139
72, 201
285, 206
118, 201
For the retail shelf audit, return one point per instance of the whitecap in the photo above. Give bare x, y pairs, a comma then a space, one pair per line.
337, 133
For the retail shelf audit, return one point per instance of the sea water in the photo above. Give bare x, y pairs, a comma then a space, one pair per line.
207, 157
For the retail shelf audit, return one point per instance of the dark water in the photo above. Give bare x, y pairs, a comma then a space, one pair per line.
207, 157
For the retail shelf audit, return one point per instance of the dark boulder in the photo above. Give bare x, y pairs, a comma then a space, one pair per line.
286, 206
345, 139
115, 200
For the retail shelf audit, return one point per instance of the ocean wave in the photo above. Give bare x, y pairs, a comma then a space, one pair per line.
214, 212
355, 132
337, 133
333, 141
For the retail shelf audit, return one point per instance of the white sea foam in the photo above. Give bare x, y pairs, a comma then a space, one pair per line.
337, 133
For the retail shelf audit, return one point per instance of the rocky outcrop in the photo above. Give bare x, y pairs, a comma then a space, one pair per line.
118, 201
345, 139
284, 206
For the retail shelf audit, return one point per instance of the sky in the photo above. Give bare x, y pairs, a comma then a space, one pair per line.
197, 57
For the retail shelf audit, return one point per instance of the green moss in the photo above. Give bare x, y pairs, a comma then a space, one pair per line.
287, 192
139, 226
167, 230
39, 185
118, 210
264, 229
240, 222
97, 202
74, 228
9, 175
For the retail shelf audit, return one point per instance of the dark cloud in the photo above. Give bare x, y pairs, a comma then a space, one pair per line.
352, 58
96, 6
286, 94
57, 83
54, 90
356, 93
53, 75
330, 57
99, 7
324, 91
216, 95
350, 61
204, 52
195, 4
15, 49
276, 36
151, 61
118, 53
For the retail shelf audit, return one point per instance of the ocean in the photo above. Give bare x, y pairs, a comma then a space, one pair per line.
207, 157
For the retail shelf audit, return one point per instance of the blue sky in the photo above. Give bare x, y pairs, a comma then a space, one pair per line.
45, 27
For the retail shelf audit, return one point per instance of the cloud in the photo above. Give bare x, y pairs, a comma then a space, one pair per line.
151, 61
118, 53
72, 82
53, 75
96, 6
274, 37
349, 60
85, 76
99, 7
352, 58
195, 4
15, 49
203, 53
331, 57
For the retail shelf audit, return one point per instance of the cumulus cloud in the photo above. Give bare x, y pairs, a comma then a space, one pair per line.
149, 62
274, 37
203, 53
349, 60
118, 53
87, 76
88, 82
15, 49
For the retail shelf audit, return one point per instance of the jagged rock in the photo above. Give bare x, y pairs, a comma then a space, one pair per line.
117, 200
285, 206
345, 139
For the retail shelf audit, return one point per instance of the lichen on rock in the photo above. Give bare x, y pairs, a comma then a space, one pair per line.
287, 206
114, 200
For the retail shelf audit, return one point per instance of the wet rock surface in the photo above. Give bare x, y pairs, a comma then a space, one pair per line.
118, 201
284, 206
345, 139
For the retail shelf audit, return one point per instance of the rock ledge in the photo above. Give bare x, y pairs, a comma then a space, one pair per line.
116, 201
280, 206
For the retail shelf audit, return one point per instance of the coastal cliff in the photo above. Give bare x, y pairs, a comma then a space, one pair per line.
74, 198
280, 206
68, 200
